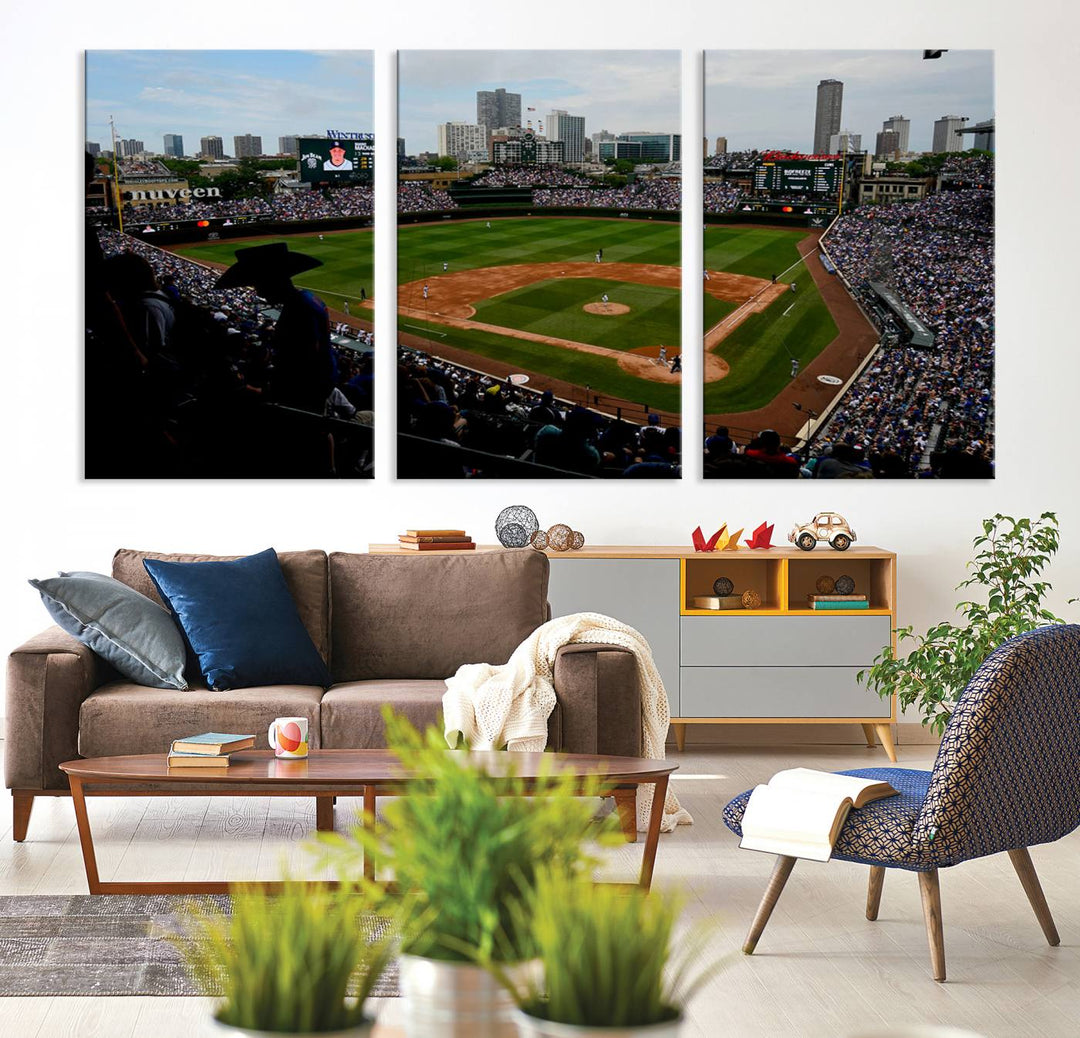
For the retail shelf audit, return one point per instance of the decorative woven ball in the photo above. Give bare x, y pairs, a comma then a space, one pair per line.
751, 599
539, 540
577, 542
825, 585
515, 526
560, 537
723, 586
845, 585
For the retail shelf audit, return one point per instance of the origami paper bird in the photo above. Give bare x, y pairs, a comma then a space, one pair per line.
700, 544
733, 541
762, 536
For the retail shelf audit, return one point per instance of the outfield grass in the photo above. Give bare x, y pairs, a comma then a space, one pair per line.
348, 262
602, 374
555, 308
759, 252
467, 244
716, 310
760, 350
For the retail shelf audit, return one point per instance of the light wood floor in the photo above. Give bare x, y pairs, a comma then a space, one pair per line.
820, 968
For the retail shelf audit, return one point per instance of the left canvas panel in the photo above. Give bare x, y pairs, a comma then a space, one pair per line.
229, 264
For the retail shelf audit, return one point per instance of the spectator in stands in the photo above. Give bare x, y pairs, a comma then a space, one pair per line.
570, 447
767, 449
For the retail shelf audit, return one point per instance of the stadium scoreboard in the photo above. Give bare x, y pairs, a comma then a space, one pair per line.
337, 159
799, 176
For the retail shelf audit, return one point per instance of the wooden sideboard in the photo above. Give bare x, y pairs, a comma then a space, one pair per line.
780, 663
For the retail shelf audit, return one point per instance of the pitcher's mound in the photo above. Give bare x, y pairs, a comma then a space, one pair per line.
606, 309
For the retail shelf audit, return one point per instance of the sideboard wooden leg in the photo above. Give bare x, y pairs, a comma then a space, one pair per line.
871, 739
884, 732
680, 736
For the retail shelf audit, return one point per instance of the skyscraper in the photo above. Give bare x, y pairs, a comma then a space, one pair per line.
721, 146
129, 148
289, 144
461, 139
247, 146
845, 143
830, 102
211, 148
497, 108
174, 146
984, 141
887, 145
570, 129
902, 127
945, 136
94, 148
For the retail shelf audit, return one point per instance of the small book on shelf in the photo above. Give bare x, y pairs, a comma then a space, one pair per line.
801, 811
454, 534
858, 603
458, 545
212, 744
836, 598
197, 760
718, 602
437, 538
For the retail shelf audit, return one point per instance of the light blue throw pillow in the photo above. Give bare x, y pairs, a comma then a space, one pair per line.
136, 635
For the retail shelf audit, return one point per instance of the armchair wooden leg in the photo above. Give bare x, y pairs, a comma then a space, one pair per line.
871, 739
884, 732
931, 906
873, 892
21, 804
781, 871
1021, 860
626, 806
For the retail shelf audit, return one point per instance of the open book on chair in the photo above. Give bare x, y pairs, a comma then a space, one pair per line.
800, 812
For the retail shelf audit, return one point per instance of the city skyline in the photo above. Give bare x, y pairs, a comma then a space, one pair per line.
618, 91
196, 94
766, 99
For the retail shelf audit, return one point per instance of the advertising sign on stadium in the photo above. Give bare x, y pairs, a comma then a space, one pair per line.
339, 158
181, 194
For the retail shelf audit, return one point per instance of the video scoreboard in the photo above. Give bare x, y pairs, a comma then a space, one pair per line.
335, 159
799, 176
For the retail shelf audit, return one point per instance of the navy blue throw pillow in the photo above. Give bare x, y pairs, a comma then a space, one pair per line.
241, 621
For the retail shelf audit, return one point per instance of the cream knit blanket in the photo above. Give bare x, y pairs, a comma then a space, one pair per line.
493, 706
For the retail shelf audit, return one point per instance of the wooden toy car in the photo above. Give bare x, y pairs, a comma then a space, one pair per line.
825, 526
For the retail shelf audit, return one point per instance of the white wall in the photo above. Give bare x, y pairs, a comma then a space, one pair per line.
56, 520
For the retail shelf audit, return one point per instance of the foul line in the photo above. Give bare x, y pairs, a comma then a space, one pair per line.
753, 299
789, 309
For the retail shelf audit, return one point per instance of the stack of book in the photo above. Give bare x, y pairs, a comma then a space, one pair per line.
209, 750
838, 601
435, 540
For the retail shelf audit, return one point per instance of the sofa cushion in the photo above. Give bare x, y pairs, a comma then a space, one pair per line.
122, 718
304, 572
352, 712
396, 616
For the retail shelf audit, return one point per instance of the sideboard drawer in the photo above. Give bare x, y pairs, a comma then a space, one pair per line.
783, 641
778, 692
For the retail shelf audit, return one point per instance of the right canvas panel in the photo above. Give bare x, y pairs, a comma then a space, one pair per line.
849, 264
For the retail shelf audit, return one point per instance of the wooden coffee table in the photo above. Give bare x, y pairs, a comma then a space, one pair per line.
327, 774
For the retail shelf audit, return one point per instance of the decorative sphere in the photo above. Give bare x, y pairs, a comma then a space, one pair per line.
751, 599
540, 540
723, 586
560, 537
825, 585
845, 585
515, 526
577, 542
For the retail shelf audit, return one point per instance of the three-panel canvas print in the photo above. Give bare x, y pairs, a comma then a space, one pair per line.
847, 265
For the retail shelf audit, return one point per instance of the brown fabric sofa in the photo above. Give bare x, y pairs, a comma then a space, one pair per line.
390, 628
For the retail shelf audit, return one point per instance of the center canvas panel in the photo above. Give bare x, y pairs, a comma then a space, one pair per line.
538, 265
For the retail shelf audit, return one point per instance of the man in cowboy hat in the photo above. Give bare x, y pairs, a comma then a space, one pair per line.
303, 362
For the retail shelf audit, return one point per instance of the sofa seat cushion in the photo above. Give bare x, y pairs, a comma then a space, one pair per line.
123, 718
352, 712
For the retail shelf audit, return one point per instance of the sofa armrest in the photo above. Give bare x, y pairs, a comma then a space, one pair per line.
47, 680
599, 699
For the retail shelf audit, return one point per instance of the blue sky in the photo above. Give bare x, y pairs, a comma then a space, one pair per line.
225, 93
766, 99
614, 90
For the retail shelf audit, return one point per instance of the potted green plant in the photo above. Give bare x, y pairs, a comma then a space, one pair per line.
298, 962
465, 848
1010, 556
607, 966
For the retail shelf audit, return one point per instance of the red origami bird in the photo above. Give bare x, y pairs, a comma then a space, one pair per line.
762, 537
700, 544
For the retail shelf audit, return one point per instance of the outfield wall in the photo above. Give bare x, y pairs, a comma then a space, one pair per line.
254, 229
494, 212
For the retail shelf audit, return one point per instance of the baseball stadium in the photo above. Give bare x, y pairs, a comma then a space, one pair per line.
863, 347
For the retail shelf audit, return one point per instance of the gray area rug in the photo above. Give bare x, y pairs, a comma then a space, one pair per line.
110, 944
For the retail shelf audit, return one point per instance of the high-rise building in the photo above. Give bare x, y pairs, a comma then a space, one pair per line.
887, 145
721, 146
902, 127
845, 143
945, 136
401, 147
830, 103
460, 139
496, 108
984, 141
211, 148
570, 129
94, 148
598, 139
655, 147
129, 148
247, 146
174, 146
289, 144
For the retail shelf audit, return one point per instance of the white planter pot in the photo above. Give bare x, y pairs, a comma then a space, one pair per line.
359, 1031
534, 1027
452, 1000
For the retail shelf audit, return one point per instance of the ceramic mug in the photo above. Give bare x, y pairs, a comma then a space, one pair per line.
288, 737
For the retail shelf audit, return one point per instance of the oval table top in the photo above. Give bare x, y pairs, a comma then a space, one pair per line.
374, 767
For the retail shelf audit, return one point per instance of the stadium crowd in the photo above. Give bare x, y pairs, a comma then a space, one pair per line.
181, 375
969, 169
144, 168
721, 197
415, 197
283, 207
659, 193
918, 404
464, 410
529, 176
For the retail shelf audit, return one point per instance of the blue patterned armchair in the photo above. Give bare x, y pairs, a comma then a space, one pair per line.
1006, 777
